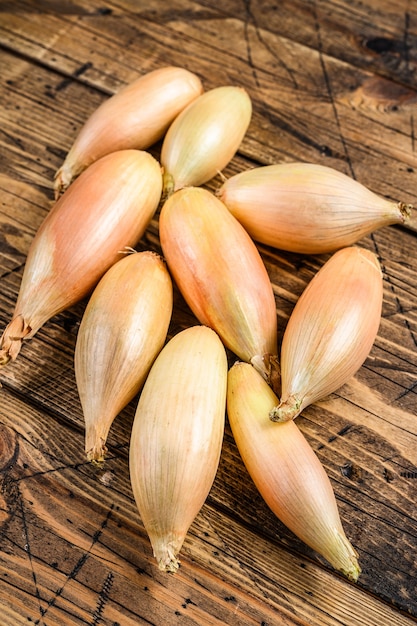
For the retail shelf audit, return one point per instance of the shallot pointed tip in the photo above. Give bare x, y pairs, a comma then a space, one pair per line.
346, 557
268, 367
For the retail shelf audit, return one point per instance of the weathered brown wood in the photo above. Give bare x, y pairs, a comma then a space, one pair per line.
303, 100
72, 547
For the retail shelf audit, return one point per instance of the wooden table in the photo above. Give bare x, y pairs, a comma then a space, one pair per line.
332, 82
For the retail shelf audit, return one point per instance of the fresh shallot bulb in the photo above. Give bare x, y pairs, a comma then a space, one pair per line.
123, 329
221, 274
331, 330
106, 209
177, 437
307, 208
285, 469
204, 137
135, 117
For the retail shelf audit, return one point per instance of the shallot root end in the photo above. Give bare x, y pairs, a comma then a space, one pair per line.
11, 340
168, 562
285, 411
97, 453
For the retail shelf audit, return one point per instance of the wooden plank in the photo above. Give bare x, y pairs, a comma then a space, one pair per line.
309, 104
374, 35
305, 107
75, 534
365, 434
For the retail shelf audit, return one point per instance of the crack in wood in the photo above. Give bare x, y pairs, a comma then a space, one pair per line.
250, 19
330, 91
77, 567
102, 599
76, 74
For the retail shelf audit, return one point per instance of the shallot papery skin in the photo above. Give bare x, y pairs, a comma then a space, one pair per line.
106, 209
135, 117
306, 207
123, 329
285, 469
221, 274
205, 136
331, 329
177, 438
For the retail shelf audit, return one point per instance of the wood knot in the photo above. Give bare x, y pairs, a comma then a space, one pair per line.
381, 94
380, 44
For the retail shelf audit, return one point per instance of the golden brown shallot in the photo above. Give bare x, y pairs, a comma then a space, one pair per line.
221, 274
307, 208
286, 470
135, 117
106, 209
123, 329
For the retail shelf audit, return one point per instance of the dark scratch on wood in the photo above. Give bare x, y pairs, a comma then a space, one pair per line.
408, 474
250, 19
29, 553
14, 140
102, 599
389, 476
329, 90
14, 270
410, 389
287, 127
400, 309
80, 563
344, 430
9, 489
76, 74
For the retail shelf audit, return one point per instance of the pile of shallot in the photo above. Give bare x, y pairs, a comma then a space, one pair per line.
107, 191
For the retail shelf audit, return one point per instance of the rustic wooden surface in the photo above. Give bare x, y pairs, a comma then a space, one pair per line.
332, 82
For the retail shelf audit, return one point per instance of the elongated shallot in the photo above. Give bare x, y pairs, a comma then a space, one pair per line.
177, 437
331, 330
306, 207
106, 209
135, 117
123, 329
286, 470
221, 275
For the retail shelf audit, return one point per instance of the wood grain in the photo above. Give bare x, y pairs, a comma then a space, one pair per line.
332, 83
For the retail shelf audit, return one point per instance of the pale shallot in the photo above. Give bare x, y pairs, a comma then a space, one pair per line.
123, 329
177, 437
307, 208
286, 471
